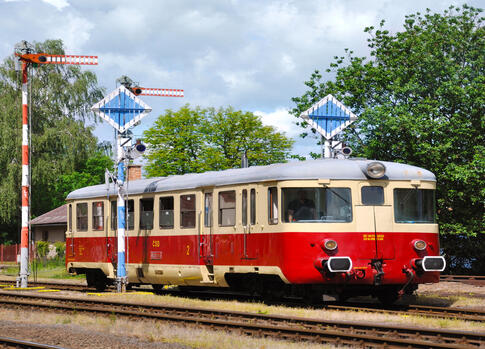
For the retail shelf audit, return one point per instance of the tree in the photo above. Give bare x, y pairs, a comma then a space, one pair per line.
201, 139
60, 100
91, 173
421, 100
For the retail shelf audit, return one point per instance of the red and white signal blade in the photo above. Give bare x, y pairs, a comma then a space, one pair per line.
71, 59
163, 92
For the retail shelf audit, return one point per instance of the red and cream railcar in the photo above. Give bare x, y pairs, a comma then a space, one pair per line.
345, 227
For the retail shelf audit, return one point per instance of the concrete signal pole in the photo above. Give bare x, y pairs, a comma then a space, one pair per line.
24, 52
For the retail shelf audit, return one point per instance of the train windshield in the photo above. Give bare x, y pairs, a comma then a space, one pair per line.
316, 205
414, 206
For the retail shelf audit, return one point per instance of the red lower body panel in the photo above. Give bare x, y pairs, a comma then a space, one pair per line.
296, 254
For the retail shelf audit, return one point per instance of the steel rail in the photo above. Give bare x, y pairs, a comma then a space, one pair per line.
466, 279
293, 328
7, 342
422, 310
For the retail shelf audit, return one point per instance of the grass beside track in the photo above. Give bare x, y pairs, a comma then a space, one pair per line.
50, 269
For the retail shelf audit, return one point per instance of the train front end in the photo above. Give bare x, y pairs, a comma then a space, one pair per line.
376, 235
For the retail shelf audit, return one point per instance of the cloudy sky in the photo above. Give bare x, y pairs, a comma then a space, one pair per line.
251, 54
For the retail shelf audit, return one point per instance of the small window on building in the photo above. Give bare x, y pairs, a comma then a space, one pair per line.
166, 212
187, 211
208, 210
372, 195
45, 236
130, 214
252, 207
69, 222
82, 217
227, 208
98, 215
146, 214
114, 215
273, 205
244, 208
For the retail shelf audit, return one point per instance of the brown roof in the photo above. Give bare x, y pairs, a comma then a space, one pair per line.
54, 217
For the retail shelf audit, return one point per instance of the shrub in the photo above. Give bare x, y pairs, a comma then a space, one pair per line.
60, 248
42, 248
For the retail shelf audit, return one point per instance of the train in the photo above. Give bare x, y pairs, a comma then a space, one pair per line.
310, 229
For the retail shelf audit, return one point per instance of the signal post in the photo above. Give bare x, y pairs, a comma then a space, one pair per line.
25, 53
122, 109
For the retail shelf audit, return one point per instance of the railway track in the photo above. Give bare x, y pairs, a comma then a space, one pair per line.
466, 279
348, 333
422, 310
7, 342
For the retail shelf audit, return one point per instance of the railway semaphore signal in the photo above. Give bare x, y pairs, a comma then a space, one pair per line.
329, 117
122, 109
25, 53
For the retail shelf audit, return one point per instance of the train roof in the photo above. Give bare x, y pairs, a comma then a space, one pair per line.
349, 169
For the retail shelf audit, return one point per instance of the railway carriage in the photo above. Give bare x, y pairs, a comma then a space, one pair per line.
341, 227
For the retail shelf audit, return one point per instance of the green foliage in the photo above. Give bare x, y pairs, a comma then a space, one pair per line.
197, 140
91, 173
421, 100
60, 249
60, 101
42, 248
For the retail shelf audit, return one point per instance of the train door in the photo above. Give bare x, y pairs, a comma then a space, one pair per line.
206, 243
70, 235
111, 241
374, 197
248, 221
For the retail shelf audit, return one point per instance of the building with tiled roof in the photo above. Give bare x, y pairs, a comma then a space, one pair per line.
51, 226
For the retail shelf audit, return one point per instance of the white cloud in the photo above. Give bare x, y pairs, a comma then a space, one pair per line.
250, 54
281, 120
74, 30
59, 4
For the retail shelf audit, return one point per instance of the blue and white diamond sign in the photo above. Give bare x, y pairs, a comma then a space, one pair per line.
328, 117
121, 109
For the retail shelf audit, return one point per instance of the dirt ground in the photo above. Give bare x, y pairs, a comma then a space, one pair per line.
81, 331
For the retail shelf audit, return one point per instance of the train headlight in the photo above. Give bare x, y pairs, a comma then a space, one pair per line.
330, 245
376, 169
419, 245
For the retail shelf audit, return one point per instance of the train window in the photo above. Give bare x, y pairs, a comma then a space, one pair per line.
208, 210
130, 214
146, 214
82, 217
166, 212
227, 208
372, 195
252, 207
317, 205
414, 205
244, 208
187, 211
98, 215
114, 215
273, 205
69, 222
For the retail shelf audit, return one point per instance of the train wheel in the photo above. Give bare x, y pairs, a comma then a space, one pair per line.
96, 279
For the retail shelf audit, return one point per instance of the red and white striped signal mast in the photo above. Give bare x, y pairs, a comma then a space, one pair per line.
25, 53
